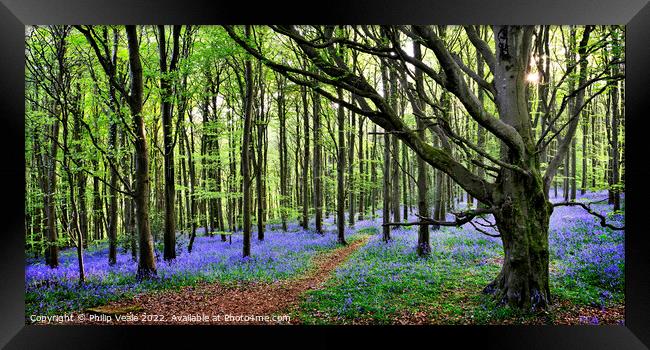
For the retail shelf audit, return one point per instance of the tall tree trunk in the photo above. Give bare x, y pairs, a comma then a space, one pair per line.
183, 224
480, 131
373, 175
52, 251
245, 170
205, 143
395, 178
362, 174
441, 196
585, 146
298, 192
112, 143
40, 179
232, 173
97, 207
439, 212
573, 169
424, 247
523, 210
340, 172
614, 188
386, 191
283, 152
169, 241
405, 201
318, 184
259, 186
569, 161
305, 163
218, 203
594, 151
192, 217
129, 207
146, 262
351, 180
567, 174
81, 186
74, 222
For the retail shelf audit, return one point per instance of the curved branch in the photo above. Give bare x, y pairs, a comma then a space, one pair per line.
482, 47
585, 206
456, 85
461, 219
383, 115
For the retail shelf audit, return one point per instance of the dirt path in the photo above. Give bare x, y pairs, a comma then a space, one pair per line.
214, 303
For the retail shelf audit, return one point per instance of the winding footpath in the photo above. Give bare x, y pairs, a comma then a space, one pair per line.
215, 303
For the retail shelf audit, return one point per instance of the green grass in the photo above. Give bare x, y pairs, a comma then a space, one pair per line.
383, 283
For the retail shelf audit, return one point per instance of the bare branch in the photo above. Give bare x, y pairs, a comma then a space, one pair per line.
461, 219
587, 207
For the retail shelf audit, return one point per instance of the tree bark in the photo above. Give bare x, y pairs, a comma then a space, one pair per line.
373, 175
585, 147
340, 173
281, 81
52, 251
523, 221
305, 163
146, 262
318, 182
245, 170
168, 138
112, 144
395, 178
362, 174
522, 209
424, 247
614, 188
259, 176
386, 192
351, 180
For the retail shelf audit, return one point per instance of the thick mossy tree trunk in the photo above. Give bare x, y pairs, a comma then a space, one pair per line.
523, 219
520, 201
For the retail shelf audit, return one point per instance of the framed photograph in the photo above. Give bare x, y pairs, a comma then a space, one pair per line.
369, 174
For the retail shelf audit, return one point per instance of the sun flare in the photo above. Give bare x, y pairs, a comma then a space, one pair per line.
532, 78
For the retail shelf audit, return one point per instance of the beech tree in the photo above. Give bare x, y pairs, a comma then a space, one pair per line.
166, 111
518, 197
476, 126
133, 97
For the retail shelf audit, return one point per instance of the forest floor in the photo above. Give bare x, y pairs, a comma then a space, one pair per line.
300, 277
223, 303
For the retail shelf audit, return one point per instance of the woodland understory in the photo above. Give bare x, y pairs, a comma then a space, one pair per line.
382, 174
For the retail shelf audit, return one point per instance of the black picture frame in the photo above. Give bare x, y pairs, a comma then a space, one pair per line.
14, 14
